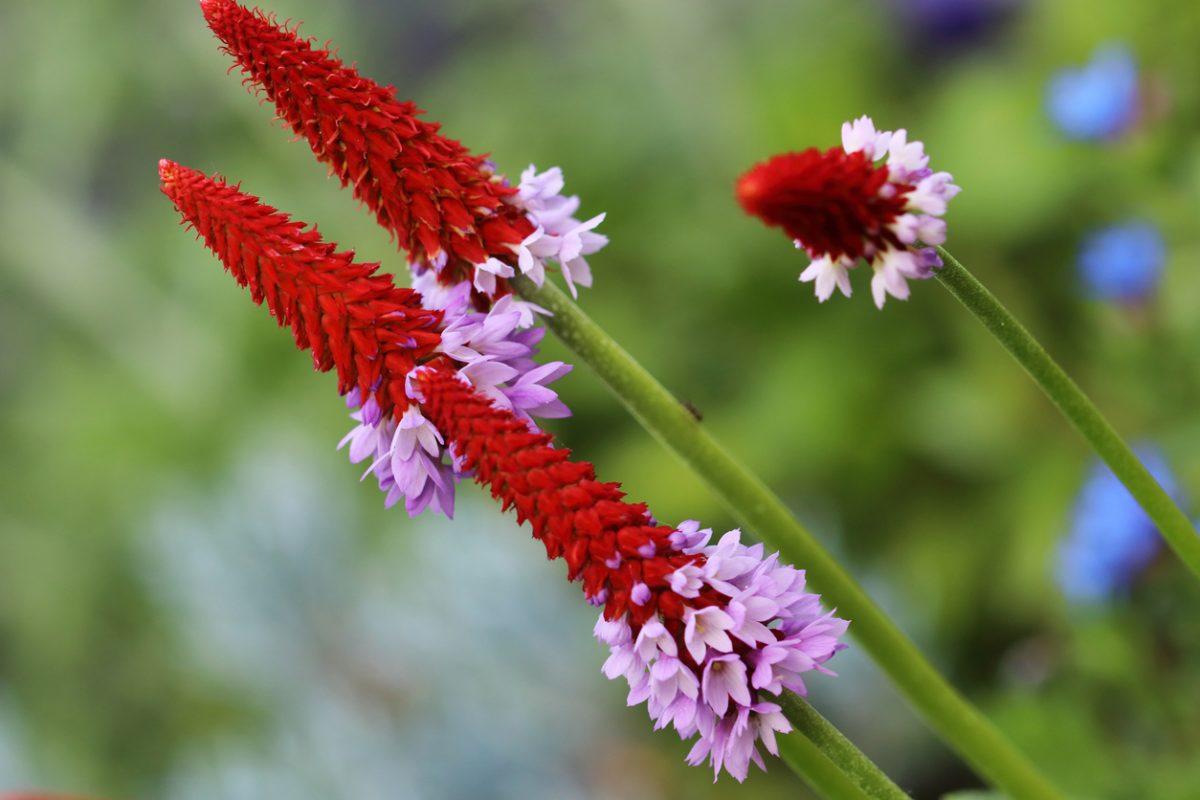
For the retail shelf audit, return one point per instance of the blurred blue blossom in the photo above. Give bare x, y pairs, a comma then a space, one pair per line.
1097, 101
1111, 538
1122, 262
952, 24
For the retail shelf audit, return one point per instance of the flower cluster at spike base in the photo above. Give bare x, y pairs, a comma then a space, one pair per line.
843, 205
493, 348
443, 383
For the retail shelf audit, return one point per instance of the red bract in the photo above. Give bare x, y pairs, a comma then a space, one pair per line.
428, 190
350, 316
835, 204
576, 517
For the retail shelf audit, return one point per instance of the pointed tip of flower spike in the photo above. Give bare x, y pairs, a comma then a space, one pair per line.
322, 294
212, 8
438, 199
167, 173
174, 179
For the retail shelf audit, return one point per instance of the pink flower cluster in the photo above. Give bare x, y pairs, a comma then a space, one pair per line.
769, 632
493, 350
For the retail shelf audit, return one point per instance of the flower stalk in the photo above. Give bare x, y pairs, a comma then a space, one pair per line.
959, 723
826, 738
1079, 410
808, 761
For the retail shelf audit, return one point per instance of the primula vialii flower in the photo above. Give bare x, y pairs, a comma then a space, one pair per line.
842, 205
444, 385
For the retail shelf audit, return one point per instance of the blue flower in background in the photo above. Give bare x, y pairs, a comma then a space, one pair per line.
1111, 538
1098, 101
1123, 262
952, 24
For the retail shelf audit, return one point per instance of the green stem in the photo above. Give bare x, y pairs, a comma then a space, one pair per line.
1176, 528
807, 760
838, 749
748, 498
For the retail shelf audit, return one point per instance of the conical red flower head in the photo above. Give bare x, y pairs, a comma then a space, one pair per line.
835, 204
442, 202
351, 316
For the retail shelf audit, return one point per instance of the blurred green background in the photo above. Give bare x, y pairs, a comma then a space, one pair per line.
199, 600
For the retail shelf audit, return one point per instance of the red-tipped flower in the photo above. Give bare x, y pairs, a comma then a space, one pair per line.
348, 314
841, 205
442, 202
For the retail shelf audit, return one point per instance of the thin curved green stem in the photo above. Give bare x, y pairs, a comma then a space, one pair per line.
748, 498
808, 761
809, 723
1176, 528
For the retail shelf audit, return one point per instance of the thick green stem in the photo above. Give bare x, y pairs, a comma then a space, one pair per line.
808, 761
1176, 528
838, 749
748, 498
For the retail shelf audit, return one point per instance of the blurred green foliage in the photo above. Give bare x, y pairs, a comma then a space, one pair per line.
131, 366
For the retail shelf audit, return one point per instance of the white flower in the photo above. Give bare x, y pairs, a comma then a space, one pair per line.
892, 269
557, 235
706, 628
541, 195
861, 136
653, 639
827, 273
577, 242
530, 255
933, 192
725, 680
487, 272
414, 429
905, 157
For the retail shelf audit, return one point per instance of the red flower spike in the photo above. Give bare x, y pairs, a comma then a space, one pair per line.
836, 204
575, 516
428, 190
350, 316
